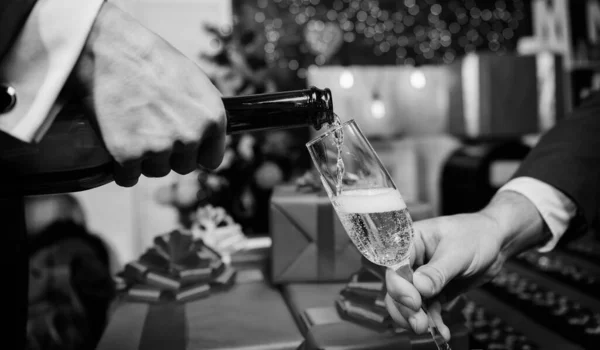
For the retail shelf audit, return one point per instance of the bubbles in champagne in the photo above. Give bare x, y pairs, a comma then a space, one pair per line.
378, 224
339, 141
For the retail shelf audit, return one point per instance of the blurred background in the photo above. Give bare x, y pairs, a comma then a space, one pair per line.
422, 78
452, 95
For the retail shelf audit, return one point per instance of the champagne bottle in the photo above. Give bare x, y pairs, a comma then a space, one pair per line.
71, 156
311, 107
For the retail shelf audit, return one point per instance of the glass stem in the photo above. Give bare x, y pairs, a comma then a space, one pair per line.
404, 270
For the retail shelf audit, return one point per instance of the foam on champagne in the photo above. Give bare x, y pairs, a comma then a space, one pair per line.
378, 223
372, 200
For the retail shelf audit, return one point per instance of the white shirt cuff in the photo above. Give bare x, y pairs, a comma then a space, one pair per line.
556, 209
40, 61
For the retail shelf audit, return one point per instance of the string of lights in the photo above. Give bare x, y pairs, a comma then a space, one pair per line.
413, 32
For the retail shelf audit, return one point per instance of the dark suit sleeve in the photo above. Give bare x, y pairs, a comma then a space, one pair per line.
13, 14
568, 158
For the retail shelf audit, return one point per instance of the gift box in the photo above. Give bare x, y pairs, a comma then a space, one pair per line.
351, 336
250, 315
330, 315
493, 96
324, 327
309, 243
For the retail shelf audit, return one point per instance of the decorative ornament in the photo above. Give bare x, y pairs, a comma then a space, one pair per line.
323, 38
218, 230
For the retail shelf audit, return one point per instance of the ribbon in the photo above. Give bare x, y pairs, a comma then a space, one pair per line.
192, 292
226, 278
164, 328
309, 183
162, 281
135, 272
177, 268
325, 242
144, 293
192, 276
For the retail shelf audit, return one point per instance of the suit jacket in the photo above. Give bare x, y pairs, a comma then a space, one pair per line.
568, 158
13, 14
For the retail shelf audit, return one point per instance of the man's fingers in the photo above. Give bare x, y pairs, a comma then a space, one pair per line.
184, 157
429, 280
402, 291
127, 174
394, 313
210, 153
435, 312
157, 165
212, 146
405, 317
445, 264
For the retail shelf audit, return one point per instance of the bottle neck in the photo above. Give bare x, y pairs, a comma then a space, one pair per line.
281, 110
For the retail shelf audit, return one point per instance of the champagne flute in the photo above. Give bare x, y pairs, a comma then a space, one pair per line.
367, 201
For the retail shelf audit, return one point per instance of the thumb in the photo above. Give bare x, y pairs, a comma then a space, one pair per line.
431, 278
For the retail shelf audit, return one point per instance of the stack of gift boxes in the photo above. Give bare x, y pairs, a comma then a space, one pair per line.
362, 300
177, 268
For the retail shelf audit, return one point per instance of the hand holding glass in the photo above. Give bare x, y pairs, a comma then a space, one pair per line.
366, 200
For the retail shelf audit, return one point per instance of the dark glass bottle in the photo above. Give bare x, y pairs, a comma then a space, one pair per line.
71, 156
311, 107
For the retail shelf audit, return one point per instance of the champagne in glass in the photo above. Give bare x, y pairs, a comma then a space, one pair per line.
378, 224
366, 200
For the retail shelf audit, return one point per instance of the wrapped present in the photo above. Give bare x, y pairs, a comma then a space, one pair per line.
325, 327
361, 301
493, 96
250, 315
308, 241
177, 268
346, 335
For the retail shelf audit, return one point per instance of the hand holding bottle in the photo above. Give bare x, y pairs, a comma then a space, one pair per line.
155, 108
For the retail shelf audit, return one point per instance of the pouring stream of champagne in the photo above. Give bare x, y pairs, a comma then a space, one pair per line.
339, 141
